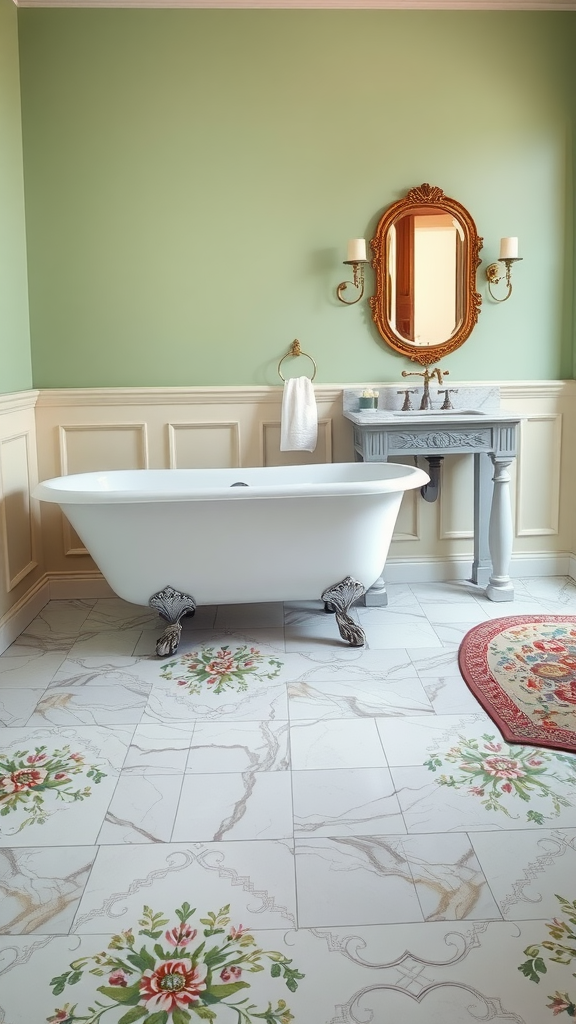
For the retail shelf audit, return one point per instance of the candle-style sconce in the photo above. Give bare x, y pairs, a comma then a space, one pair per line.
357, 260
494, 273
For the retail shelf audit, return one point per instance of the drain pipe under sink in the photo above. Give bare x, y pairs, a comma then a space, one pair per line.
431, 490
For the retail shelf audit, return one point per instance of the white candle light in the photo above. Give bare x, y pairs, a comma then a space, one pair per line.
356, 250
508, 249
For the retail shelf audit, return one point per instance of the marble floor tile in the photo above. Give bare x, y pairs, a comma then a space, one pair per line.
345, 802
527, 870
414, 634
452, 634
449, 880
415, 741
402, 608
101, 643
41, 888
520, 606
57, 783
176, 705
142, 809
240, 805
470, 612
26, 667
349, 664
434, 662
114, 614
16, 706
558, 589
353, 880
353, 808
239, 747
255, 879
60, 617
239, 616
433, 973
269, 639
128, 672
89, 705
449, 695
430, 805
344, 743
359, 698
158, 749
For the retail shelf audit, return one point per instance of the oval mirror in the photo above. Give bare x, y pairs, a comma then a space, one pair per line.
425, 256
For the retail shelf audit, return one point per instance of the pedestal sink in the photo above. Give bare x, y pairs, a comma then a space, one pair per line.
480, 428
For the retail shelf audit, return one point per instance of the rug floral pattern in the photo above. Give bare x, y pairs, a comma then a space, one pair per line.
499, 774
178, 976
536, 663
220, 669
560, 948
28, 778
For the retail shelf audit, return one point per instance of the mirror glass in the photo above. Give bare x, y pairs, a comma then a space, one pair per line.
425, 257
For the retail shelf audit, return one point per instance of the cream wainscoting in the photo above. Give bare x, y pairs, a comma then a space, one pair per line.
81, 430
24, 587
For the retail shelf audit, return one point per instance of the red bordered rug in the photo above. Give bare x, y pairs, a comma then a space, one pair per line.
522, 669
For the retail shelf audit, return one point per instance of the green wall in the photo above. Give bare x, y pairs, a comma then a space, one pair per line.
15, 365
192, 178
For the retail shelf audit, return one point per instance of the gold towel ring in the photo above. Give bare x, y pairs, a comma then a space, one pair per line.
295, 351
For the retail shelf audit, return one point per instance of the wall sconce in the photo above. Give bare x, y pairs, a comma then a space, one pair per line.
508, 256
356, 260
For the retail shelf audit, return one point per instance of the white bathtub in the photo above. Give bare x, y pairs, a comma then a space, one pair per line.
288, 535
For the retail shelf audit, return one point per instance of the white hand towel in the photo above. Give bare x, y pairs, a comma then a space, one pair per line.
299, 429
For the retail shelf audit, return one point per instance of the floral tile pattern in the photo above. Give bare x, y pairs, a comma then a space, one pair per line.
274, 827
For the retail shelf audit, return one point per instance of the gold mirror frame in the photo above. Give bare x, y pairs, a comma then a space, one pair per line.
426, 195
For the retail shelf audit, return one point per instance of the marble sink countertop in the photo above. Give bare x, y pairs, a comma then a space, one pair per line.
471, 405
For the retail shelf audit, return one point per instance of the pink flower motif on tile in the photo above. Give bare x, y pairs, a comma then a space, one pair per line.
173, 985
220, 669
181, 936
118, 977
36, 783
503, 767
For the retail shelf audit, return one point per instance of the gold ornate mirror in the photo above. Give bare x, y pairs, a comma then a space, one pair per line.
425, 256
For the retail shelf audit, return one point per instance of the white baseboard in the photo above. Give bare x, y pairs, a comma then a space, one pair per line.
67, 586
437, 570
76, 586
14, 622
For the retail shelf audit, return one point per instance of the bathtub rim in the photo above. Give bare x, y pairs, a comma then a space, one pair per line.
366, 478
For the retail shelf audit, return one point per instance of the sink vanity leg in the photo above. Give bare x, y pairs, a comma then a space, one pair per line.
377, 595
482, 566
340, 597
500, 534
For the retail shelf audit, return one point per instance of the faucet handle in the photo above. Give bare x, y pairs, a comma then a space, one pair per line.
407, 403
447, 404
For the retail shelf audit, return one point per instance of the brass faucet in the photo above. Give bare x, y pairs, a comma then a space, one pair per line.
428, 375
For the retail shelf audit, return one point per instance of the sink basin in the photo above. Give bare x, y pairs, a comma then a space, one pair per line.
413, 413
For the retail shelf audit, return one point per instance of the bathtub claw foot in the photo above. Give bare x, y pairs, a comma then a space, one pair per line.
168, 643
340, 597
172, 606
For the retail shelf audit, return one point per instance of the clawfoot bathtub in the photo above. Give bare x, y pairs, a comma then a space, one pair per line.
177, 538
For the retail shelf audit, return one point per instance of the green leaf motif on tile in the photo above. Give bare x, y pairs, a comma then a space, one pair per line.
136, 1013
564, 953
499, 774
33, 782
178, 979
216, 670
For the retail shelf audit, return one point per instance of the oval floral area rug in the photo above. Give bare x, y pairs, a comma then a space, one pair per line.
522, 669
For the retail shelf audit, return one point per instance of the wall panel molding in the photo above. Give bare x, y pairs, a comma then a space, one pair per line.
270, 454
18, 540
204, 444
538, 475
